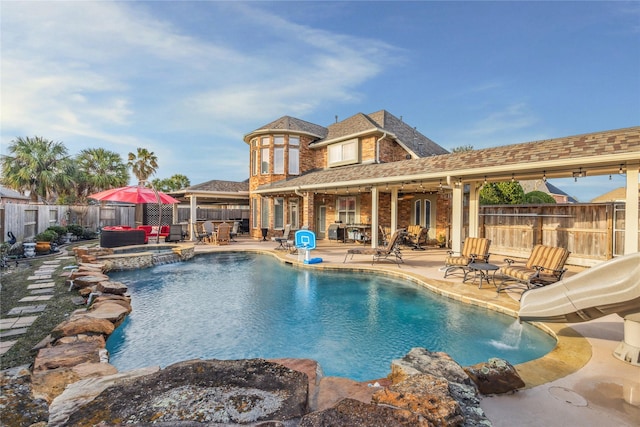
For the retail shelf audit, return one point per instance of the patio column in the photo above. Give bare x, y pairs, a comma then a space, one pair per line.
631, 211
193, 212
457, 216
474, 208
374, 216
394, 210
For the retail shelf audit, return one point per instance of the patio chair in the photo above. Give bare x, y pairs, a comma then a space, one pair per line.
544, 266
385, 234
224, 234
416, 236
474, 249
234, 231
392, 249
201, 233
282, 239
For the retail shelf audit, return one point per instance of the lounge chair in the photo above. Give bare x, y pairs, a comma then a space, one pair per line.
392, 249
385, 234
224, 234
210, 231
175, 233
544, 266
282, 239
474, 249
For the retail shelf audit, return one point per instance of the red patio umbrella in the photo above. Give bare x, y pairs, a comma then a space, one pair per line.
137, 194
134, 194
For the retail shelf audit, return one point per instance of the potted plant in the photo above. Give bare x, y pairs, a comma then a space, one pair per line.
43, 241
60, 232
442, 241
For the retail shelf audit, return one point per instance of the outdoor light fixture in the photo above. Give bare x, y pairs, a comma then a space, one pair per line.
485, 180
544, 176
620, 170
513, 177
578, 174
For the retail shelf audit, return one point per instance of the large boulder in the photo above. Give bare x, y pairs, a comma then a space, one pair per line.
425, 395
202, 391
437, 364
111, 287
351, 412
67, 355
111, 311
82, 324
495, 376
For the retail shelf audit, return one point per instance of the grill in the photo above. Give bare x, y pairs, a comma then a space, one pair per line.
336, 232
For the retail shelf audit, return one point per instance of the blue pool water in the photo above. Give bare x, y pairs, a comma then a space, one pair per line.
240, 305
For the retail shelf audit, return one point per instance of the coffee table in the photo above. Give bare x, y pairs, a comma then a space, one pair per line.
484, 269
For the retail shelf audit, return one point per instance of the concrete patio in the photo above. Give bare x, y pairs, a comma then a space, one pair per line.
580, 382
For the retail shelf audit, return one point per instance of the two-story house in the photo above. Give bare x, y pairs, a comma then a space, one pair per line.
289, 152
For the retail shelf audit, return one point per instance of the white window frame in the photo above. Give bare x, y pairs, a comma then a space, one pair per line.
254, 222
264, 213
343, 153
278, 160
278, 213
347, 209
294, 214
264, 161
294, 161
294, 140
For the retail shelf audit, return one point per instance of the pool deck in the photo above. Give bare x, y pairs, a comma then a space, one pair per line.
580, 382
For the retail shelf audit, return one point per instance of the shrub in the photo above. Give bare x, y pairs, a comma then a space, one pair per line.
58, 229
46, 236
537, 197
76, 229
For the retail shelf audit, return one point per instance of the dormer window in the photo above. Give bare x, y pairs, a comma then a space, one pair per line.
343, 153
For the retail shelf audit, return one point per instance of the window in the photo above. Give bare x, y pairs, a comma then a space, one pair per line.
254, 162
264, 161
254, 213
264, 141
278, 160
294, 161
264, 213
427, 213
422, 212
278, 140
278, 213
343, 153
346, 210
294, 140
417, 212
293, 214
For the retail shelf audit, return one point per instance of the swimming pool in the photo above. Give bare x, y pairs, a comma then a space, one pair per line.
243, 305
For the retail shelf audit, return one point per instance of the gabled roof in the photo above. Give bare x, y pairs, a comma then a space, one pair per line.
382, 122
546, 187
617, 195
11, 194
288, 124
219, 186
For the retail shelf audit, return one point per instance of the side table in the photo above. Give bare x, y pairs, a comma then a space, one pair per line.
484, 269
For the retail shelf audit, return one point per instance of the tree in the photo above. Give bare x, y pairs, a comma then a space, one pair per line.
502, 193
39, 166
462, 149
143, 164
176, 182
99, 169
537, 197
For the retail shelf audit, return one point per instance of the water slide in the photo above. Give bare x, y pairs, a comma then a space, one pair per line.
610, 287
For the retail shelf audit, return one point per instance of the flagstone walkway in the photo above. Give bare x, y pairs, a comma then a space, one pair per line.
40, 287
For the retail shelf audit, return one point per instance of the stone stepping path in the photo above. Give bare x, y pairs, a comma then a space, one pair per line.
41, 284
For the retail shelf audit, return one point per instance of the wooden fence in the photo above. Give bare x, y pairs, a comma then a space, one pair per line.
593, 232
25, 220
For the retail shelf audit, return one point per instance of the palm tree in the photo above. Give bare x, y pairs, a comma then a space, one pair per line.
144, 164
39, 166
176, 182
100, 169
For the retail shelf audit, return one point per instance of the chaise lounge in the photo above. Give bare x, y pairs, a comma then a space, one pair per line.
474, 249
392, 249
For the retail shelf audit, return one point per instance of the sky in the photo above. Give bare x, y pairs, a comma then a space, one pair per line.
187, 80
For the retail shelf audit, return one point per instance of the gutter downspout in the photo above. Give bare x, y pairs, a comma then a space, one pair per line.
378, 147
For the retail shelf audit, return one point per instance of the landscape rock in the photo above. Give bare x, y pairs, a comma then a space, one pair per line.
425, 395
332, 390
422, 361
18, 405
67, 355
202, 391
111, 311
110, 287
351, 412
82, 324
81, 392
496, 376
91, 280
